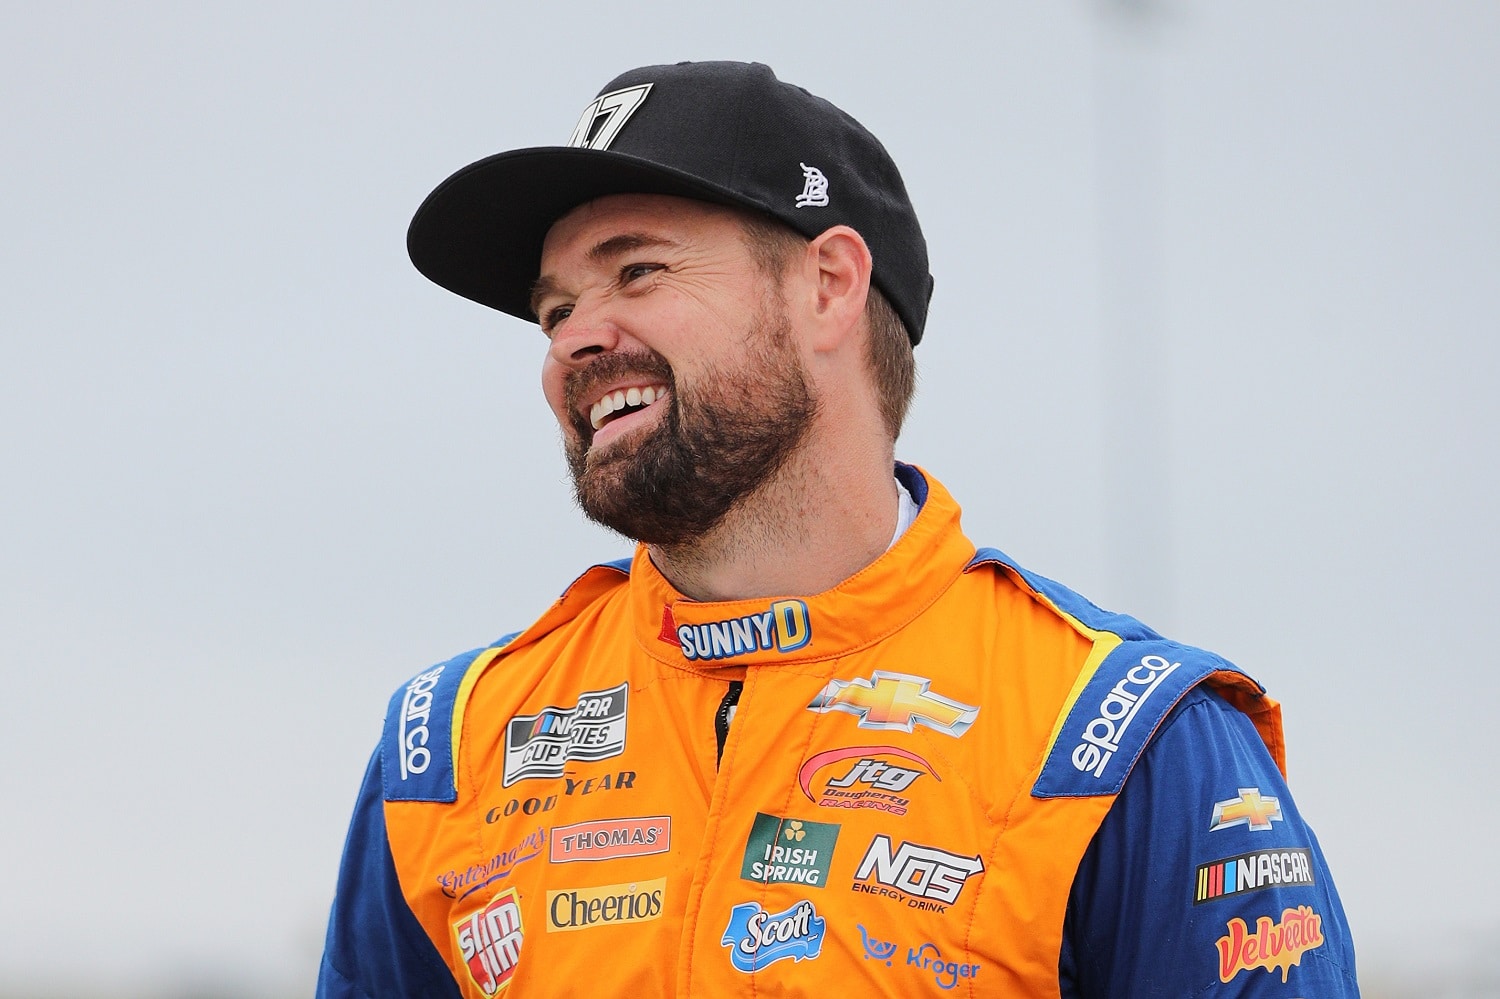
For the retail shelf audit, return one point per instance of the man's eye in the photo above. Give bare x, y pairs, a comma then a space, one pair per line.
631, 272
553, 316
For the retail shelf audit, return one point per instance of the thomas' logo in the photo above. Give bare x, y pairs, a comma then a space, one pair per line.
607, 839
541, 745
607, 905
788, 851
895, 701
490, 941
1272, 945
872, 780
416, 708
927, 957
923, 877
757, 938
1252, 872
1102, 735
602, 120
784, 627
476, 876
1251, 809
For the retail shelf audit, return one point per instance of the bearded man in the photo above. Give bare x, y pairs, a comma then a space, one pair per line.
809, 738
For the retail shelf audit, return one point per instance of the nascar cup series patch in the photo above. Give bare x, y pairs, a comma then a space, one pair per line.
543, 744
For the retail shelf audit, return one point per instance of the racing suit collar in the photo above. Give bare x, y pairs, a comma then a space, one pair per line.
864, 609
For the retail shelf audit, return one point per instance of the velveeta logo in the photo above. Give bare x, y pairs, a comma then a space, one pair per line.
783, 627
1272, 945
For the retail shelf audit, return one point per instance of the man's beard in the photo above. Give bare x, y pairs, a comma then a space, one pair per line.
717, 441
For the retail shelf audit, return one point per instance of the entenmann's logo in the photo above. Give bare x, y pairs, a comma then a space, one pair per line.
783, 627
541, 745
416, 708
476, 876
582, 908
1102, 735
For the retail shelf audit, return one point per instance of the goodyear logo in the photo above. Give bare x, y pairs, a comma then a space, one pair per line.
782, 627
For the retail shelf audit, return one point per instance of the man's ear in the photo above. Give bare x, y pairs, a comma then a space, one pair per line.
837, 267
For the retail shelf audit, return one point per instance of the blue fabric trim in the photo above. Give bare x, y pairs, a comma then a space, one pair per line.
1132, 927
1123, 704
417, 747
1066, 600
912, 479
375, 947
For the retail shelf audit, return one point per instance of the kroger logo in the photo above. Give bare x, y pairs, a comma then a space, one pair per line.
784, 627
925, 958
416, 708
1102, 735
757, 938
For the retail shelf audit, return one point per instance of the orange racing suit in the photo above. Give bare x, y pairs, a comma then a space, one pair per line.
918, 762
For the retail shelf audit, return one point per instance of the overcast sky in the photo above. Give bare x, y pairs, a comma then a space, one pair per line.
1213, 342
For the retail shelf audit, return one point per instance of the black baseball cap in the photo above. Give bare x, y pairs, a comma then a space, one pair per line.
724, 132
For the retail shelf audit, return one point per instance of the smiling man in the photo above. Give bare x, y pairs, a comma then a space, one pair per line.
810, 738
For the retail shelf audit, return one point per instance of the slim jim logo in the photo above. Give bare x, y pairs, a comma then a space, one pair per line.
490, 941
1272, 945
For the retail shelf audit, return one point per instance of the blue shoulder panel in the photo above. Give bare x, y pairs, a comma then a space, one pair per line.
1114, 717
1066, 600
417, 747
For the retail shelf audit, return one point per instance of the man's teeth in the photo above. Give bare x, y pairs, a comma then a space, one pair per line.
621, 398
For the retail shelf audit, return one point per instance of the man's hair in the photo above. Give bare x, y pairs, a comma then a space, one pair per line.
889, 355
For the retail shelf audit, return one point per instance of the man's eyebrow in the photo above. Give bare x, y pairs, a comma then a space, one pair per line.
614, 246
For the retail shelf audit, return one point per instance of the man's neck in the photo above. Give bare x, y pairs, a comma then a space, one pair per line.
807, 529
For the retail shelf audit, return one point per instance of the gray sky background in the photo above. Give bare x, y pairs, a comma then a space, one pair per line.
1213, 342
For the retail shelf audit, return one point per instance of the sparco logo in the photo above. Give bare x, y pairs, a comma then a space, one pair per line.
1102, 735
416, 707
541, 745
581, 908
784, 626
490, 941
922, 872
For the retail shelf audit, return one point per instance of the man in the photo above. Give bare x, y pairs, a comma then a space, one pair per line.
808, 738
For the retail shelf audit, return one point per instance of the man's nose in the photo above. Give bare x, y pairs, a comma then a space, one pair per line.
589, 330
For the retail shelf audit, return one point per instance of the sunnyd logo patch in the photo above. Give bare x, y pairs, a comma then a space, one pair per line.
863, 777
783, 627
897, 701
490, 941
1272, 945
788, 851
541, 745
757, 938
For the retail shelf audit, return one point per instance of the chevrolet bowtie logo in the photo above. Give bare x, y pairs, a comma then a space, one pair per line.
1251, 809
895, 701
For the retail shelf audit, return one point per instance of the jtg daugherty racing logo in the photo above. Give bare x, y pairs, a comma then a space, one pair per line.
1102, 735
490, 941
924, 877
757, 938
541, 745
416, 708
784, 627
872, 782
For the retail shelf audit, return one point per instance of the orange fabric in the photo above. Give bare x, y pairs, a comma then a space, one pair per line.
498, 862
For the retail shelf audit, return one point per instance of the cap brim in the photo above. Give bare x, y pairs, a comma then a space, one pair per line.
480, 233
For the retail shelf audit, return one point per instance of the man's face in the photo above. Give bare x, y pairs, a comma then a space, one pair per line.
672, 369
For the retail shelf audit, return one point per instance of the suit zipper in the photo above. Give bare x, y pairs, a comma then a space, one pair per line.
721, 717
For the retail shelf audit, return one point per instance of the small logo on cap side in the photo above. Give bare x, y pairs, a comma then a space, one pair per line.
814, 188
602, 120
